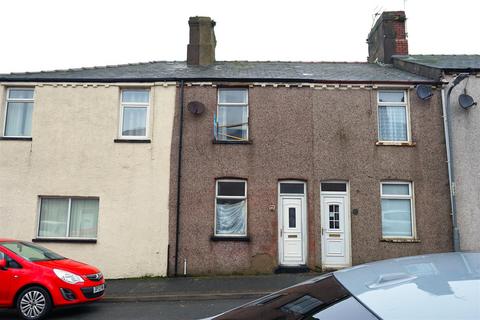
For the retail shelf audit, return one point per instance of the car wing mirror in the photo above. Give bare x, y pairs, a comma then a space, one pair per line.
3, 264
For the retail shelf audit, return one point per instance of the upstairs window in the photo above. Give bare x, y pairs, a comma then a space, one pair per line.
18, 116
393, 125
231, 208
397, 210
231, 122
135, 105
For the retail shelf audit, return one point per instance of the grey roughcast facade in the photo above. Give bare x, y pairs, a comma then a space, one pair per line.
306, 165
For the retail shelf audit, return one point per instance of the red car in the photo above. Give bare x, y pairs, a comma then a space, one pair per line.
34, 280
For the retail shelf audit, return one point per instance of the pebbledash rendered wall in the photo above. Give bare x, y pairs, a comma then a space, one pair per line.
73, 153
465, 133
310, 135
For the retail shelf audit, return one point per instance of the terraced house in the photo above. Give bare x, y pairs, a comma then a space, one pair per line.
290, 165
211, 167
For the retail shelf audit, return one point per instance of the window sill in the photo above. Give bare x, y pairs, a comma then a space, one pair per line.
231, 142
132, 140
400, 240
17, 138
396, 144
64, 240
226, 238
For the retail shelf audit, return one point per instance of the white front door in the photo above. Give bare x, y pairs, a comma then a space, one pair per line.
291, 230
335, 231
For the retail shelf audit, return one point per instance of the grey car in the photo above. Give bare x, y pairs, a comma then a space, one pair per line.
435, 286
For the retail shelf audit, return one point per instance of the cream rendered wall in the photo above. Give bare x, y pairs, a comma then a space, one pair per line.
73, 154
466, 154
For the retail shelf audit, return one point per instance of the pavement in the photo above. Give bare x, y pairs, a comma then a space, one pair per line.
199, 288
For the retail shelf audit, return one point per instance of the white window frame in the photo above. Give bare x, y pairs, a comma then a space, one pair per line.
135, 105
410, 197
231, 197
234, 104
405, 104
7, 100
67, 236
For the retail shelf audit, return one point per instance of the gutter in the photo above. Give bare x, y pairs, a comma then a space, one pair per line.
448, 143
179, 175
214, 79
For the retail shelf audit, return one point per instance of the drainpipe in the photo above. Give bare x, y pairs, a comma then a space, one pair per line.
179, 175
447, 122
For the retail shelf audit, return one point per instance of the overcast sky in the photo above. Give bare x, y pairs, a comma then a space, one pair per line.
58, 34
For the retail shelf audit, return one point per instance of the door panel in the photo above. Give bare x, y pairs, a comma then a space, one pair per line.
5, 283
291, 231
334, 230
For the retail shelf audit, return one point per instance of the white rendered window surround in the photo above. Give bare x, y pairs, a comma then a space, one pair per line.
232, 114
231, 208
134, 113
398, 214
68, 218
393, 116
18, 113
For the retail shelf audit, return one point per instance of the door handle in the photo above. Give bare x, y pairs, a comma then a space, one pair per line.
323, 229
281, 232
16, 276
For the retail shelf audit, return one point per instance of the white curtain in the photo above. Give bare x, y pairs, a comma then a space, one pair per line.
393, 123
134, 121
84, 218
53, 218
231, 217
19, 119
396, 217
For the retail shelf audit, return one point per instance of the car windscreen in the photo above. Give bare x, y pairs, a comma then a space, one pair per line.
304, 301
31, 252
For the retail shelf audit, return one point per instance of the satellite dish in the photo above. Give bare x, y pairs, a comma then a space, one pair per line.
466, 101
424, 92
196, 107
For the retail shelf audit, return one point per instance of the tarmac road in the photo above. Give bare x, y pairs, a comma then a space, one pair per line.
163, 310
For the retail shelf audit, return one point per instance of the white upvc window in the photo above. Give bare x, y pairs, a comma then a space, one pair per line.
68, 218
398, 214
232, 115
231, 207
18, 113
393, 116
134, 113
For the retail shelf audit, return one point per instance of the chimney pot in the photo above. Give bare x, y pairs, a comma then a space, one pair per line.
201, 48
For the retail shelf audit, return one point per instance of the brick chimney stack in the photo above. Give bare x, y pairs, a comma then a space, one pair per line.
387, 37
201, 49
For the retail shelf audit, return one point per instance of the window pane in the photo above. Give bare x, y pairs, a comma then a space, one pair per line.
392, 123
391, 96
232, 123
395, 189
134, 122
231, 188
292, 188
20, 94
232, 96
231, 216
137, 96
396, 218
84, 218
19, 119
292, 218
329, 186
53, 218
